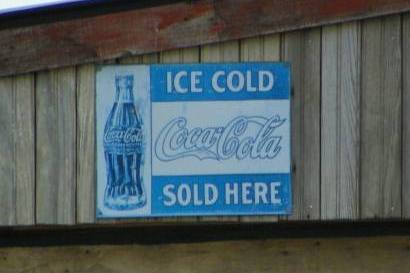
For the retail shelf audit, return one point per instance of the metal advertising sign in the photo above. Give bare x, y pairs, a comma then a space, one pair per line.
193, 139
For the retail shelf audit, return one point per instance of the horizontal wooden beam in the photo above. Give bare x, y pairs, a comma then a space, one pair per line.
151, 233
176, 25
313, 255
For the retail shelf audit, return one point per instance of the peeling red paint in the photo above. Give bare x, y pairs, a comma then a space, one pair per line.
342, 7
177, 14
171, 26
217, 27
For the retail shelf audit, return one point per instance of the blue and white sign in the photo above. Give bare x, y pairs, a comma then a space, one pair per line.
193, 139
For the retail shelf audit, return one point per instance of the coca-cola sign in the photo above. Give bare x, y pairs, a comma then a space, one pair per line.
123, 135
220, 143
197, 139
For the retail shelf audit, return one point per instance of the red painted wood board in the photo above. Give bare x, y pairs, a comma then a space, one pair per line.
171, 26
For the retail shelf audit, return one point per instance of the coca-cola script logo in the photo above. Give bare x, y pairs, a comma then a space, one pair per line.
243, 137
127, 136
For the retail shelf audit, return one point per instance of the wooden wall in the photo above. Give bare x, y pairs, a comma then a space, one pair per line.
350, 127
301, 255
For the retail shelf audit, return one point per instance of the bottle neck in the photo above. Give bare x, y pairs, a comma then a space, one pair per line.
124, 86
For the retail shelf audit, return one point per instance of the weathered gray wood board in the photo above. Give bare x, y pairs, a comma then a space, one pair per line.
221, 52
144, 59
340, 121
406, 116
24, 148
302, 50
380, 141
56, 146
17, 150
85, 164
314, 255
350, 126
7, 162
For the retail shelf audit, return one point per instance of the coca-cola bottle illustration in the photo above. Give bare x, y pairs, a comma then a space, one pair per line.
123, 150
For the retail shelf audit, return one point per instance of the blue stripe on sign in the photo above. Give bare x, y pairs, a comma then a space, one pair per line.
238, 194
210, 82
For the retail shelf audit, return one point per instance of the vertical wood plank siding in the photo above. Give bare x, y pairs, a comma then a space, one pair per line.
340, 121
406, 116
85, 168
381, 118
350, 126
56, 146
17, 202
24, 136
7, 155
302, 50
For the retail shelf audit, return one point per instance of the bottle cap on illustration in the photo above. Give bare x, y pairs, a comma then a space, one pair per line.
124, 84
